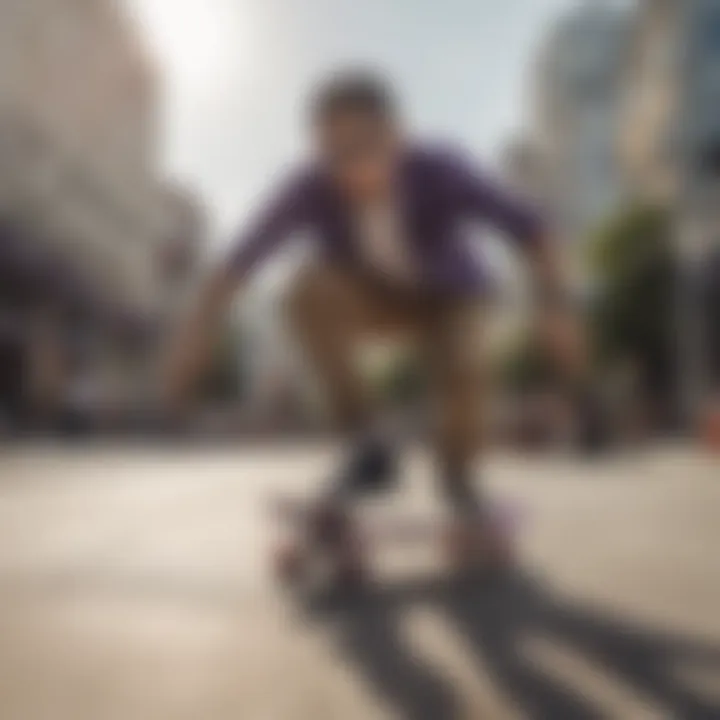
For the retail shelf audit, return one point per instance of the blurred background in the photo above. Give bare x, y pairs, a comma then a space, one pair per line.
136, 136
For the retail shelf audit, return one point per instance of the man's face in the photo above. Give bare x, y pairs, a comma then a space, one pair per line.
360, 151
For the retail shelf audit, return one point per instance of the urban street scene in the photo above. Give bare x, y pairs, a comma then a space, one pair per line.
359, 360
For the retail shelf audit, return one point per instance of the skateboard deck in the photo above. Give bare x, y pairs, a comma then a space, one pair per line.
297, 558
394, 528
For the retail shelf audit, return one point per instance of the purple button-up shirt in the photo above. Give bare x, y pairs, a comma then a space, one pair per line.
440, 193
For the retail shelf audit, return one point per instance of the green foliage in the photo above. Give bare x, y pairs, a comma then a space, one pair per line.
631, 257
629, 241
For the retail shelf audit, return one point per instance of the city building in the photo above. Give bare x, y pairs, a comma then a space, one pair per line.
648, 129
575, 114
87, 220
670, 126
522, 166
670, 153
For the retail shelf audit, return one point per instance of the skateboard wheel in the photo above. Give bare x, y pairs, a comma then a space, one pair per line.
349, 565
350, 576
289, 564
473, 548
460, 548
329, 525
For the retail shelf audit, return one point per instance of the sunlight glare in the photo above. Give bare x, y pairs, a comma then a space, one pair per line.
197, 40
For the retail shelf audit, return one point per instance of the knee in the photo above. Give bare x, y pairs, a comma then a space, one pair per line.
312, 299
461, 384
460, 407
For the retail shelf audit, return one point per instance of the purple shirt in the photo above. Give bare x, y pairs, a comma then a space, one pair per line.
440, 194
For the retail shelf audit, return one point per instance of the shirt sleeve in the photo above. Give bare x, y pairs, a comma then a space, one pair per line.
277, 218
485, 199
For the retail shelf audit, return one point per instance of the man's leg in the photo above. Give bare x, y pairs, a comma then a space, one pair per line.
457, 367
330, 312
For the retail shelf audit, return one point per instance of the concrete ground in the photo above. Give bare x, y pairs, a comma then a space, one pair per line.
134, 586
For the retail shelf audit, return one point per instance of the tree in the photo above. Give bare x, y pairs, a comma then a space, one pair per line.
633, 315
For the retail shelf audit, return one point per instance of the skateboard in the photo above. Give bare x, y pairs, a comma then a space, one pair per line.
347, 559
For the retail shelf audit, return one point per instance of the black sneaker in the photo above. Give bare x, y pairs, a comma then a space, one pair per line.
371, 468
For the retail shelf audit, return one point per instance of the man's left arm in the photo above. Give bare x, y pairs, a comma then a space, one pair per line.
517, 220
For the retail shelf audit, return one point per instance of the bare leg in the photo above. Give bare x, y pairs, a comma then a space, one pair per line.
455, 354
330, 311
325, 313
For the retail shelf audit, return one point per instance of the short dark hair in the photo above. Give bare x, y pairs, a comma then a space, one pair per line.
360, 91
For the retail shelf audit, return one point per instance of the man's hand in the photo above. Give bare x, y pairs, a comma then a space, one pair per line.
560, 322
562, 333
561, 330
191, 345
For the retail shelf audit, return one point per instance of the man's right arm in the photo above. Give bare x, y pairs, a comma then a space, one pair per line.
191, 342
191, 345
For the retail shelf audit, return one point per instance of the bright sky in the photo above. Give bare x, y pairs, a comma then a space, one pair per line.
237, 72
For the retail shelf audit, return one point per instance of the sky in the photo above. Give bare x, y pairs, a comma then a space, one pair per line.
236, 73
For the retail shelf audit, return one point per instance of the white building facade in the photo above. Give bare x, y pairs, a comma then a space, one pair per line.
87, 220
575, 114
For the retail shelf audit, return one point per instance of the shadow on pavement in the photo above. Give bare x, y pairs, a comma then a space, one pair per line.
495, 622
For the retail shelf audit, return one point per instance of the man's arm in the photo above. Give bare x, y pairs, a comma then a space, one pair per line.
190, 347
192, 342
518, 221
482, 197
560, 321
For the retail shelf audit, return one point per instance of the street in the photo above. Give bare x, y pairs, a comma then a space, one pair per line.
134, 585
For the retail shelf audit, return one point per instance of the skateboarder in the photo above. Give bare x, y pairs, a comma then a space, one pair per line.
393, 221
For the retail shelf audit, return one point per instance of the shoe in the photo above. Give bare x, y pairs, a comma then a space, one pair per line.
371, 468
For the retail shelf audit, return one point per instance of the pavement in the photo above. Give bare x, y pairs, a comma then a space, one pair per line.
135, 585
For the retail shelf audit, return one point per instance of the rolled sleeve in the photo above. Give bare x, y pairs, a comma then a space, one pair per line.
285, 212
487, 200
